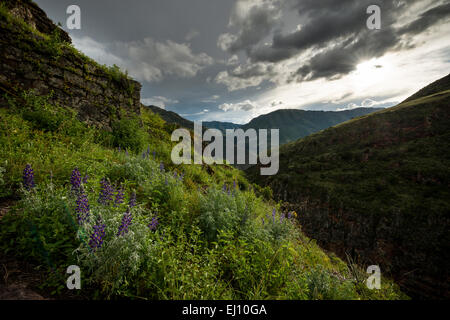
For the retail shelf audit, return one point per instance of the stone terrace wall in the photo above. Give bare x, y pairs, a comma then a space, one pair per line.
30, 59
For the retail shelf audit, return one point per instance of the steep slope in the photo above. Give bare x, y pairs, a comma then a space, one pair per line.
295, 124
440, 85
377, 188
172, 117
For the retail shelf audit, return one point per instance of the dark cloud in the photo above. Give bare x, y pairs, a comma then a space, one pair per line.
338, 36
426, 20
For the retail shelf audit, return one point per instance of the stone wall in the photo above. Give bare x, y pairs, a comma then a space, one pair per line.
30, 59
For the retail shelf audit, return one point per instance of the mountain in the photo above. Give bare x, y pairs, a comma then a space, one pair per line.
222, 126
295, 124
172, 117
377, 188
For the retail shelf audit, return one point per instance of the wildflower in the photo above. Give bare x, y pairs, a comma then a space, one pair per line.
97, 237
126, 222
85, 178
153, 224
106, 192
175, 174
166, 182
28, 177
119, 197
161, 167
273, 214
289, 215
262, 221
83, 210
180, 177
234, 184
75, 179
132, 201
143, 155
224, 187
126, 153
148, 151
154, 154
119, 149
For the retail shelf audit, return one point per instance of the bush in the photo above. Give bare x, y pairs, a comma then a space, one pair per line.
128, 134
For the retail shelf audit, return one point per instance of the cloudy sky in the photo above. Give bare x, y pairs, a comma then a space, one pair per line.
232, 60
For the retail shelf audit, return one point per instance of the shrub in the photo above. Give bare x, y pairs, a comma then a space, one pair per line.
128, 134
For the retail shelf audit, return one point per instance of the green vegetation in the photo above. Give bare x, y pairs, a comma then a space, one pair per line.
295, 124
212, 240
383, 179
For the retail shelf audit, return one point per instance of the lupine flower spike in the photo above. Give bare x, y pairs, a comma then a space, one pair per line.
153, 224
28, 177
75, 179
126, 222
82, 209
106, 192
97, 236
132, 201
119, 197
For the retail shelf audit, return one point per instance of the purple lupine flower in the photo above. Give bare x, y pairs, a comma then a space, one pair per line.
83, 210
119, 149
75, 179
175, 174
289, 216
143, 155
153, 224
28, 177
224, 187
273, 214
126, 222
118, 199
234, 184
85, 178
181, 177
148, 151
161, 167
106, 192
154, 154
166, 182
132, 201
126, 153
97, 237
262, 221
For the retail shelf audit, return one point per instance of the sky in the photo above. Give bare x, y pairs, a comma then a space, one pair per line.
233, 60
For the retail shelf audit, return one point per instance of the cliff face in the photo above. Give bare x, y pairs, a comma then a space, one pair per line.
35, 55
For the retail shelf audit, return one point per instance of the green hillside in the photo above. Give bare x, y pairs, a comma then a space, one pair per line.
172, 117
376, 187
108, 199
294, 124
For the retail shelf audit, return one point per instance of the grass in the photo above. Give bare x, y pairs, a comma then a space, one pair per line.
210, 243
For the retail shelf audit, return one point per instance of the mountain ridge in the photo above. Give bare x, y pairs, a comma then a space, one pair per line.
374, 188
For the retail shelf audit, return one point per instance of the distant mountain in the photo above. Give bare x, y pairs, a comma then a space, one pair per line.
220, 125
172, 117
295, 124
376, 188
